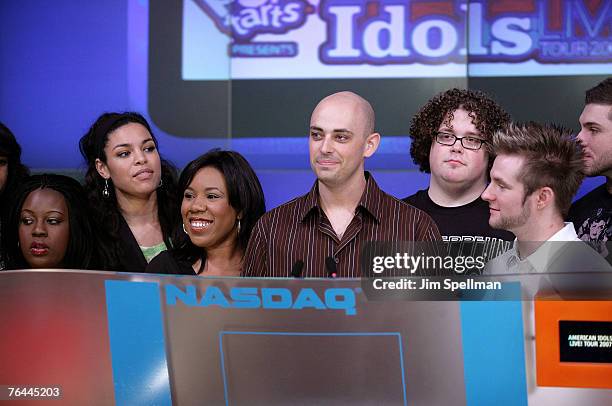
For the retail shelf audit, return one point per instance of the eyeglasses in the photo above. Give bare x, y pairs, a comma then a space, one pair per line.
472, 143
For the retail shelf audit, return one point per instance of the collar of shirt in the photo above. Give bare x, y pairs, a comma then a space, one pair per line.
370, 199
539, 260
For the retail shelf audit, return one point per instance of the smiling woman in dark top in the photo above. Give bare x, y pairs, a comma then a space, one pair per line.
221, 201
131, 191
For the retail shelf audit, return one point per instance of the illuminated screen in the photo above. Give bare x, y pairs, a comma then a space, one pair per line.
249, 72
298, 39
585, 341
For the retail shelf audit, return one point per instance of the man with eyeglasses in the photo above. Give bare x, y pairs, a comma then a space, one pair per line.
451, 137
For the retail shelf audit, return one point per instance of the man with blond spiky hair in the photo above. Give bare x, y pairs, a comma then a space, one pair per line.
535, 175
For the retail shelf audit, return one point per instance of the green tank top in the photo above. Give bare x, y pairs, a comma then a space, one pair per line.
151, 252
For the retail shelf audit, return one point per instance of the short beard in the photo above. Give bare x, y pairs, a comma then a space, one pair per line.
600, 167
509, 223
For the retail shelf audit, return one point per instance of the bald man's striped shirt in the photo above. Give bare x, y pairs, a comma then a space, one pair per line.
298, 232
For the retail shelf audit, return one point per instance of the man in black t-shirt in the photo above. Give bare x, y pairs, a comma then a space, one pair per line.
592, 214
451, 137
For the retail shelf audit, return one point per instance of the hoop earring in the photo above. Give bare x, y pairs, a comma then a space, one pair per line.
185, 231
161, 182
105, 191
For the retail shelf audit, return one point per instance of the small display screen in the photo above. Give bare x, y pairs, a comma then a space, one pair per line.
585, 341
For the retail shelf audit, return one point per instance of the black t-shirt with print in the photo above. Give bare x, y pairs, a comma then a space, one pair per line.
465, 227
592, 218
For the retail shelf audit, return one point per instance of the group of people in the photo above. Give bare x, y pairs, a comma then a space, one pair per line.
130, 208
504, 185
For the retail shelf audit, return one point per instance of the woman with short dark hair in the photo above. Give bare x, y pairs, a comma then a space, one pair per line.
221, 200
131, 191
48, 225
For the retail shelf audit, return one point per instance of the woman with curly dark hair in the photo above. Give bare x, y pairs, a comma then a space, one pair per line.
48, 225
451, 137
12, 171
222, 200
131, 191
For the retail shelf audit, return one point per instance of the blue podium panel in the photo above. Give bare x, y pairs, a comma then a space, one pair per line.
136, 334
493, 351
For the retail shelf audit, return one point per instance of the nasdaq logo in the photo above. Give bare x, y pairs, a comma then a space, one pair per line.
264, 298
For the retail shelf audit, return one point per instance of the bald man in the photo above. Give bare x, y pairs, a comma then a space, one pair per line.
321, 234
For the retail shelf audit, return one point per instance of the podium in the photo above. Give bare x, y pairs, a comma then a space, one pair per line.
131, 339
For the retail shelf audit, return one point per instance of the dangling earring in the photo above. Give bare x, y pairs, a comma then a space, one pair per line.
105, 191
161, 182
185, 231
238, 226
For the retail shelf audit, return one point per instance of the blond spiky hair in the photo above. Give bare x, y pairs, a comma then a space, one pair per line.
553, 158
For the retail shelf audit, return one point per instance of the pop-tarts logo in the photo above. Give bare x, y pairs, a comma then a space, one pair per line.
264, 298
243, 19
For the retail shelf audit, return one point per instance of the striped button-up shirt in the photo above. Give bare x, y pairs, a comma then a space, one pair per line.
298, 238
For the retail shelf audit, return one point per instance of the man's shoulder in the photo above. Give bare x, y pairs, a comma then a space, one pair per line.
598, 197
287, 206
421, 200
406, 207
579, 256
499, 264
290, 209
406, 215
417, 199
594, 194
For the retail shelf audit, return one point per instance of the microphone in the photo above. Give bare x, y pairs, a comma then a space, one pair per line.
330, 266
296, 269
